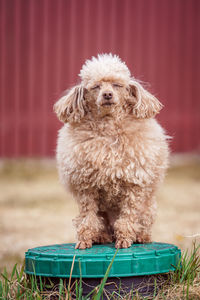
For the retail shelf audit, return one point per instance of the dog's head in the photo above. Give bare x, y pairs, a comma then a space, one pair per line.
106, 88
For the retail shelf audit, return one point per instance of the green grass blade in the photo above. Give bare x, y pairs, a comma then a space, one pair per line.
76, 288
41, 284
5, 277
90, 294
6, 283
13, 272
80, 283
61, 287
50, 284
155, 288
22, 270
1, 290
100, 292
119, 292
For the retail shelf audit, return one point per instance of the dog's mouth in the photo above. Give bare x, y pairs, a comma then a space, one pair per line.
107, 103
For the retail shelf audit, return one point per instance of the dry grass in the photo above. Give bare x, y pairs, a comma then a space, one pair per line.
180, 291
35, 210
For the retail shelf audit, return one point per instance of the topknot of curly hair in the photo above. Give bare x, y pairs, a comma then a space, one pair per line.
104, 66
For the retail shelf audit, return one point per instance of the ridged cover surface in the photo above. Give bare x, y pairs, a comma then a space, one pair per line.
139, 259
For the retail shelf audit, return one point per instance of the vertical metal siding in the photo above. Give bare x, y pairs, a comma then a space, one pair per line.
43, 44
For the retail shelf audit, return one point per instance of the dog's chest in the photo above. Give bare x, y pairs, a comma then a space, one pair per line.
105, 159
102, 152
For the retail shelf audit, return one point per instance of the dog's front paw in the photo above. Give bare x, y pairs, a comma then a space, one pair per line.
83, 244
123, 243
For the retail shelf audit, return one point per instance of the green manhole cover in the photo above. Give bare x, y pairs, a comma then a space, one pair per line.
139, 259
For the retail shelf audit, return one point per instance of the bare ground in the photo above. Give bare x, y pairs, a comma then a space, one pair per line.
35, 209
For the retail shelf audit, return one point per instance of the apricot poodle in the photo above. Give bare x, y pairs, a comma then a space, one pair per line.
112, 154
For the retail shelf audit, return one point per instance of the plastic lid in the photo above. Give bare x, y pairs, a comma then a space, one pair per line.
139, 259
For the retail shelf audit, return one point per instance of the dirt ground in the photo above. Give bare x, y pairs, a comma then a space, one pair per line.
35, 209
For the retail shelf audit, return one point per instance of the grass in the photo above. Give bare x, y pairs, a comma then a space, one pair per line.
184, 283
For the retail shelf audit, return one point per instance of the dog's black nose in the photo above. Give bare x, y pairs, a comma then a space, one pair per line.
107, 95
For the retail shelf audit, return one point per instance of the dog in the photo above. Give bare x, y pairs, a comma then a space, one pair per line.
111, 153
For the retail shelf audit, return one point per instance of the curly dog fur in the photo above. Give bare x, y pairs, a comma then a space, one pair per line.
112, 154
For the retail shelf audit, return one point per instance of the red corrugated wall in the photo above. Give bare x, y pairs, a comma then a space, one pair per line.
43, 44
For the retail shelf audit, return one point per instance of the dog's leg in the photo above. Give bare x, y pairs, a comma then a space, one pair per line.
137, 214
126, 225
147, 217
90, 226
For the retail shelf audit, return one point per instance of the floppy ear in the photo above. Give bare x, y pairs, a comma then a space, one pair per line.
145, 104
70, 108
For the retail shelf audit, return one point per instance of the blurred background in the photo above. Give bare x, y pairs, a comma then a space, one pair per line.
43, 44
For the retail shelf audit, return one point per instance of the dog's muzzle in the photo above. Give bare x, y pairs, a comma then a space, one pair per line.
107, 99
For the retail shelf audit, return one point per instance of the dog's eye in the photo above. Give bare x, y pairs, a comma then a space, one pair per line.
97, 86
117, 85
